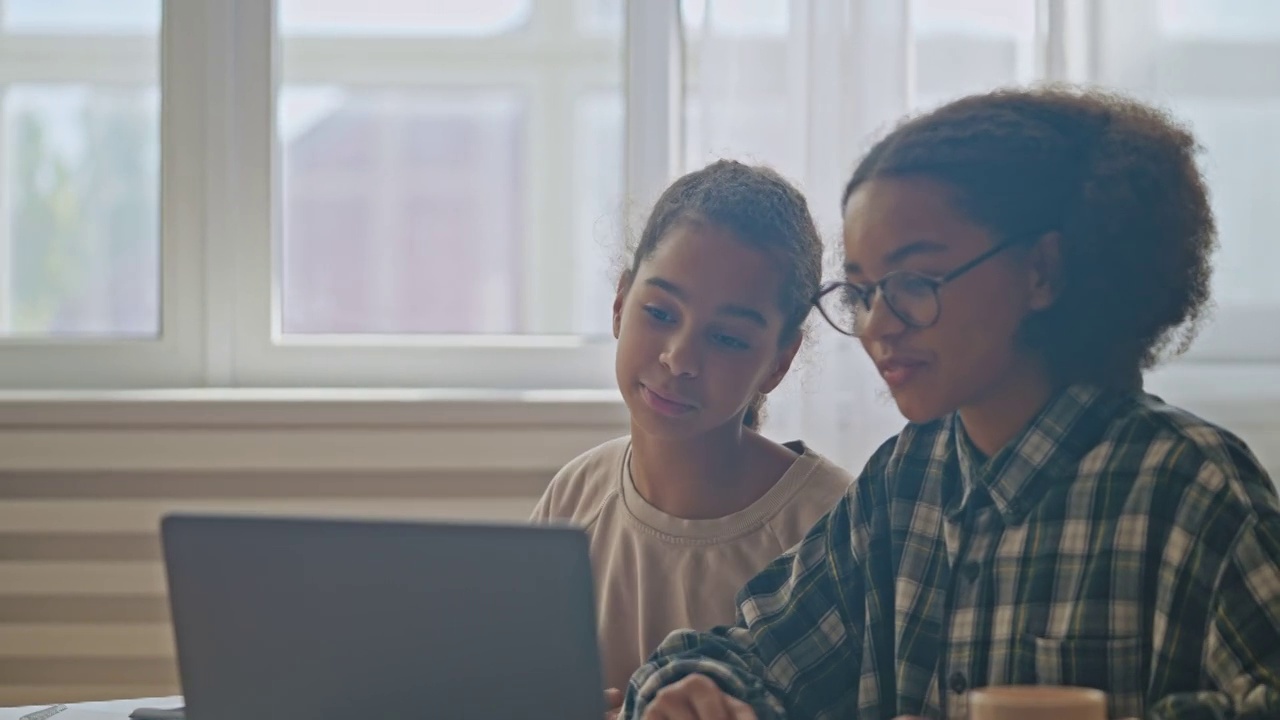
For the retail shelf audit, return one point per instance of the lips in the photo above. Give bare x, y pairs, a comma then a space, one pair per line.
899, 371
666, 402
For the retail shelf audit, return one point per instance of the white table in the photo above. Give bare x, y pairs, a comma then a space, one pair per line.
103, 710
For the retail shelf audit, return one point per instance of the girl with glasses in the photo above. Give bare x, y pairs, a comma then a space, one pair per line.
1013, 262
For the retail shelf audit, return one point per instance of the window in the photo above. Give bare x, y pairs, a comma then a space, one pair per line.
79, 241
443, 203
436, 193
437, 200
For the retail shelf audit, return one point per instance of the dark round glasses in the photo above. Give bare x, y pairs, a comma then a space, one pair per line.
911, 296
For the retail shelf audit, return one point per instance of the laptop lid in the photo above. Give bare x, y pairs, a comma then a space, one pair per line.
318, 619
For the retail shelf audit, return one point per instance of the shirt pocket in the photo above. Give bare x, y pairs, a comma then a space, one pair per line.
1113, 665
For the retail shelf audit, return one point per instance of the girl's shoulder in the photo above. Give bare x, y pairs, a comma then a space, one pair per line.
1176, 451
582, 487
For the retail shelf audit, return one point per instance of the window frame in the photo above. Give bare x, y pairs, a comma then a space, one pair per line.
265, 357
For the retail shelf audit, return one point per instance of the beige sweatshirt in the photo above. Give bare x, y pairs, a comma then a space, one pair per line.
655, 573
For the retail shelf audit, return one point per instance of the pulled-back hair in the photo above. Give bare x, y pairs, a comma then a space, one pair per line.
760, 208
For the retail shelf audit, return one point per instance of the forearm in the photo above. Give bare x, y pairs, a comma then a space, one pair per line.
724, 655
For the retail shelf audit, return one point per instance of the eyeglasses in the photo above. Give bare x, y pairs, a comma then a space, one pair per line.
910, 296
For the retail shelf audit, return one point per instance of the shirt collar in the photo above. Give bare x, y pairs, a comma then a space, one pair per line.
1070, 424
971, 464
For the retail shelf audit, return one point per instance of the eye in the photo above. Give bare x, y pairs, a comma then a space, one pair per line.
659, 314
913, 285
856, 297
729, 341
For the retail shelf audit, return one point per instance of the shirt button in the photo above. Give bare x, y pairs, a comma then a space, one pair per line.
958, 683
970, 571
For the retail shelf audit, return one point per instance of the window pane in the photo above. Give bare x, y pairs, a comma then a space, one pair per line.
82, 16
79, 255
481, 200
739, 95
713, 17
1234, 20
402, 17
741, 128
736, 17
598, 212
599, 17
967, 46
1242, 165
402, 210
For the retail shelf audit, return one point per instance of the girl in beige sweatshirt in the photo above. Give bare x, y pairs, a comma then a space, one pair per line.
709, 316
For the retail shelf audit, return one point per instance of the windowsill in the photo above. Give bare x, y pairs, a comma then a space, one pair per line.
1227, 393
374, 408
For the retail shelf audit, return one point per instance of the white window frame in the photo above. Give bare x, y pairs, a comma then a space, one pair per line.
264, 357
219, 224
173, 358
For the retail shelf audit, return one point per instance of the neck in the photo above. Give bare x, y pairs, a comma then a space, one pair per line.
696, 478
1006, 411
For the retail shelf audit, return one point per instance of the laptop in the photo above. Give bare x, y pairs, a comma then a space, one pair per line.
321, 619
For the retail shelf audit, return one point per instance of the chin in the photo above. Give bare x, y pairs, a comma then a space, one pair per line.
663, 427
918, 408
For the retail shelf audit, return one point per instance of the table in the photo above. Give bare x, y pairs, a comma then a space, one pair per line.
105, 710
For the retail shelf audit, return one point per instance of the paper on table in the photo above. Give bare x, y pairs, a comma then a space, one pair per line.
118, 709
76, 712
70, 713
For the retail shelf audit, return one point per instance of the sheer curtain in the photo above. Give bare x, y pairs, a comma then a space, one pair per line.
800, 86
806, 85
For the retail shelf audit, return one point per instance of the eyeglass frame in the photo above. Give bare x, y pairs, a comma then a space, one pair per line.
868, 296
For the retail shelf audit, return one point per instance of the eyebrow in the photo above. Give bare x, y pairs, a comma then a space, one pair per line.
738, 311
897, 257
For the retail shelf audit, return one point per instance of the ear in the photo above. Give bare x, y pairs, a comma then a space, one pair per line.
1045, 268
624, 285
786, 356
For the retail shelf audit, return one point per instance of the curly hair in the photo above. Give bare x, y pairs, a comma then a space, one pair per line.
1117, 179
760, 208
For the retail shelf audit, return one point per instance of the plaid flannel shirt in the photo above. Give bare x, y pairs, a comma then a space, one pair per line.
1119, 543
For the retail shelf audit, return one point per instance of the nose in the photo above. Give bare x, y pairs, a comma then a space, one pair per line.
880, 322
681, 356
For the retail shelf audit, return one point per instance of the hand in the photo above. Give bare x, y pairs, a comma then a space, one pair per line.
696, 697
612, 703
